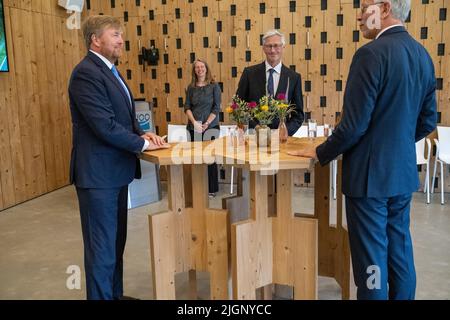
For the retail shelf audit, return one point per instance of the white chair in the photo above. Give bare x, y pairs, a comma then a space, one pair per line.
421, 160
320, 131
227, 130
177, 133
302, 132
442, 155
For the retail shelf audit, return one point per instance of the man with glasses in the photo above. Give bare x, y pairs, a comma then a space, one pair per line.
389, 104
273, 78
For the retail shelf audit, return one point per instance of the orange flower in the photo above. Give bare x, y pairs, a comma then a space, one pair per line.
228, 109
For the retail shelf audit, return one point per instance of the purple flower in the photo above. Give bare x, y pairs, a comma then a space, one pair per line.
252, 105
234, 106
281, 96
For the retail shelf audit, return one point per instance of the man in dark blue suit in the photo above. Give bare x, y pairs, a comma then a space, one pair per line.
106, 143
272, 77
389, 104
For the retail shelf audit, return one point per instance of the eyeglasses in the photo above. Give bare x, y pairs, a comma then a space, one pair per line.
364, 8
276, 46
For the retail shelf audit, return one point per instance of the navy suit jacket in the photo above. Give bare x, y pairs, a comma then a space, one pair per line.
106, 135
389, 104
252, 87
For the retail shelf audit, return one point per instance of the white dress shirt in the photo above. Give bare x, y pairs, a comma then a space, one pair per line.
386, 29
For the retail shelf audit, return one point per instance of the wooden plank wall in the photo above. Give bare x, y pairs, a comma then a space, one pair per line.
322, 37
35, 129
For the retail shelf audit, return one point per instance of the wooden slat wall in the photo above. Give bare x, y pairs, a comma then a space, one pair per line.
35, 131
35, 126
247, 20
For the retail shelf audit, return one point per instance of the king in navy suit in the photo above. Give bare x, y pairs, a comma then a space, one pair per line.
106, 143
272, 77
389, 104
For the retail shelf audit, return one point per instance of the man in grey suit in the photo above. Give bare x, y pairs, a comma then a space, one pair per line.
389, 104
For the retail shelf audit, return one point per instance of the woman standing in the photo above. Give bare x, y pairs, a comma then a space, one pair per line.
202, 109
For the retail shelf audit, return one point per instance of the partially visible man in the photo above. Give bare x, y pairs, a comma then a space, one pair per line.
389, 104
106, 142
272, 77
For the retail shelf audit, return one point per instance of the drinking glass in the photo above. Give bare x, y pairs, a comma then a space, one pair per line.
326, 130
312, 128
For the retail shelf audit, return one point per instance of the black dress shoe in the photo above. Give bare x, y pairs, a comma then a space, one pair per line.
128, 298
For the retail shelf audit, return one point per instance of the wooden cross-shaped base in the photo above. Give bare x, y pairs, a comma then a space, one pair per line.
189, 238
281, 249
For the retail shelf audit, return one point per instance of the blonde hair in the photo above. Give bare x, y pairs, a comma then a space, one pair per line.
208, 78
95, 25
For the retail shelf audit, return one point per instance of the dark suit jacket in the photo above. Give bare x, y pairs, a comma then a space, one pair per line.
389, 104
252, 87
106, 135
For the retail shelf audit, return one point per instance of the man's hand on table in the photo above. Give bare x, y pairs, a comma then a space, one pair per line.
153, 139
155, 142
153, 146
308, 152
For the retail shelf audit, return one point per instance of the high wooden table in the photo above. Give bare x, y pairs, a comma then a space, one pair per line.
269, 247
281, 247
190, 236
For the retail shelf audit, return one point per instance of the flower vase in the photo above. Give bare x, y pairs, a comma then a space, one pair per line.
263, 136
241, 128
283, 131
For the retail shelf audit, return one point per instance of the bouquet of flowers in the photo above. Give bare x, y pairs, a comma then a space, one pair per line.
266, 111
240, 111
284, 109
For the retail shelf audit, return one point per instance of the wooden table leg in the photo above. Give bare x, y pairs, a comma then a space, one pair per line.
251, 244
334, 250
169, 238
189, 239
294, 243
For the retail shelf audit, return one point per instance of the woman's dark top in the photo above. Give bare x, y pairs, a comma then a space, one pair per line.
202, 101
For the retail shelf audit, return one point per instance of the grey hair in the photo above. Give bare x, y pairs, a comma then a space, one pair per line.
272, 33
400, 9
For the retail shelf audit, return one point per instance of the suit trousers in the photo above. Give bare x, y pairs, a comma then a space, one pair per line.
381, 247
213, 175
104, 226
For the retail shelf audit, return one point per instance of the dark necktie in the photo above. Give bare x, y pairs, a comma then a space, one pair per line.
270, 89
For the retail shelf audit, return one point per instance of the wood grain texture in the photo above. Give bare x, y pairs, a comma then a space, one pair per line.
35, 133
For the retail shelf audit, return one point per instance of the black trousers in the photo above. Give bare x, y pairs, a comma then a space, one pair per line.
213, 176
